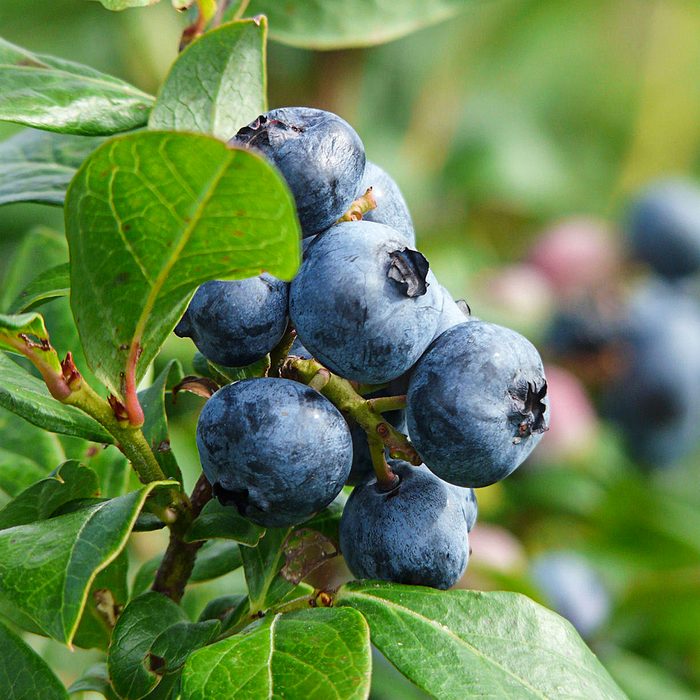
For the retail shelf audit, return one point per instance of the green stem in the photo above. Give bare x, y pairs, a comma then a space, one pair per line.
384, 404
364, 412
130, 440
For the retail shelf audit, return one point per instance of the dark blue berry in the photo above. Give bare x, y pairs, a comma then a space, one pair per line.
275, 449
320, 156
236, 323
414, 534
365, 304
477, 403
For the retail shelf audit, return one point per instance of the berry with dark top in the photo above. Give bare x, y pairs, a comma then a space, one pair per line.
364, 303
477, 403
320, 156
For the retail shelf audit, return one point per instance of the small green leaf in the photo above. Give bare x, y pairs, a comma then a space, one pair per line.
51, 585
140, 623
305, 655
142, 237
155, 426
224, 522
336, 24
70, 481
216, 559
27, 331
37, 166
461, 644
50, 284
327, 521
217, 84
24, 675
262, 565
56, 95
117, 5
28, 397
96, 679
113, 471
222, 608
172, 647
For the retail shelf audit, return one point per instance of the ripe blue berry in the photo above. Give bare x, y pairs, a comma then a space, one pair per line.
476, 404
320, 156
276, 449
363, 303
236, 323
414, 534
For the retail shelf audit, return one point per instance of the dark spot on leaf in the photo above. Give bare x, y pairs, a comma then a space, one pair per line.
121, 278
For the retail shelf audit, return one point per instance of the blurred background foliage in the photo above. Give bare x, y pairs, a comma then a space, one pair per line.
508, 118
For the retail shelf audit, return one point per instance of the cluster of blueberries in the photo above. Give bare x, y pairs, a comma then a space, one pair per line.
642, 346
366, 305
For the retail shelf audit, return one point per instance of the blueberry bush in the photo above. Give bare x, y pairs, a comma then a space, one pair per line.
324, 352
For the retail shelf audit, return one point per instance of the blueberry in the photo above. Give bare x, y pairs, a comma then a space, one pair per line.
364, 303
477, 403
415, 534
664, 227
274, 448
391, 208
320, 156
236, 323
573, 589
655, 398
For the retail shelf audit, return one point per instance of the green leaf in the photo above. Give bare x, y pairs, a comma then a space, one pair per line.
222, 608
22, 438
172, 647
113, 471
327, 521
140, 623
96, 679
17, 472
24, 675
224, 522
108, 594
50, 284
117, 5
461, 644
142, 237
216, 559
39, 249
335, 24
37, 166
28, 397
155, 426
22, 331
47, 567
218, 83
56, 95
262, 565
70, 481
305, 655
